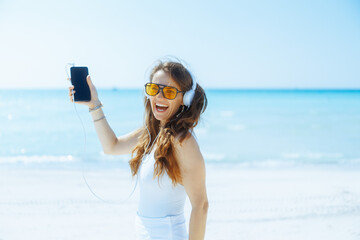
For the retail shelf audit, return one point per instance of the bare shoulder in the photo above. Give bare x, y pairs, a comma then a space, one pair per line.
188, 153
192, 167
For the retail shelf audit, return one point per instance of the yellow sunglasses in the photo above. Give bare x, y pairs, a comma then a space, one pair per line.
152, 89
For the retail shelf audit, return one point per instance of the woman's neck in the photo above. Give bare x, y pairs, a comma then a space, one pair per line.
162, 124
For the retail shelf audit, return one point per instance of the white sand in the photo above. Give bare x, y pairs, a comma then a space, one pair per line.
306, 203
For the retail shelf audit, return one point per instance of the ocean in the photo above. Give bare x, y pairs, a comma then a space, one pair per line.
252, 128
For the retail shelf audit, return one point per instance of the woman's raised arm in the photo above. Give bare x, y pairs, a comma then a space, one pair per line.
110, 143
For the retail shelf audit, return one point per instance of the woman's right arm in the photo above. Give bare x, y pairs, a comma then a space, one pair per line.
110, 143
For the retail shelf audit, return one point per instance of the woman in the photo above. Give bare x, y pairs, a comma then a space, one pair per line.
165, 154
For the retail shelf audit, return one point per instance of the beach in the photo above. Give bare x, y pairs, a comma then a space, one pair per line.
245, 203
273, 104
281, 164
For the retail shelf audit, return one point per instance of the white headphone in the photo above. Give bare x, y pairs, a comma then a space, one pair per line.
189, 95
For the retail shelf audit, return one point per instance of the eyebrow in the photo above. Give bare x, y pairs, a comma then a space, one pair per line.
163, 85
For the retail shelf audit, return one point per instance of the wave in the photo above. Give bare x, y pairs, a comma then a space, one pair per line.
311, 155
38, 159
236, 127
285, 160
214, 157
64, 159
227, 114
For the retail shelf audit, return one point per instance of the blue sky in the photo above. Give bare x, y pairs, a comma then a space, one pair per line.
227, 44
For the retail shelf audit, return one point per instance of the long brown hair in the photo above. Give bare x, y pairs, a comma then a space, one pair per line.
177, 127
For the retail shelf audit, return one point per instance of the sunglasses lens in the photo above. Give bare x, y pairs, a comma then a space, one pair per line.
169, 92
152, 89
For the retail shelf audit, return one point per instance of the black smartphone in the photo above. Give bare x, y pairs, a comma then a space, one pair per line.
78, 80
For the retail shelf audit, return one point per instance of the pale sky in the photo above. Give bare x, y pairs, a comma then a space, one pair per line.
227, 44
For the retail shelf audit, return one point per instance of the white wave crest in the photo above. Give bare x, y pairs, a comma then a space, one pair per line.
311, 155
36, 159
236, 127
214, 156
227, 113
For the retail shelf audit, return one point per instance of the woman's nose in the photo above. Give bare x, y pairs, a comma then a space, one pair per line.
160, 94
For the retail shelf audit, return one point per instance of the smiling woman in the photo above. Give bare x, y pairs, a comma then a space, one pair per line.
170, 114
173, 105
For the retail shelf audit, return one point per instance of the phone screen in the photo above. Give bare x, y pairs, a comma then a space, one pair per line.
78, 80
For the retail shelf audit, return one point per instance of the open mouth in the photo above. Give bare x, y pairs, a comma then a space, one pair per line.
161, 107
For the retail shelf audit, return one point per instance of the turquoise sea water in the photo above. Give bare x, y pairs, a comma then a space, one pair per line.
260, 128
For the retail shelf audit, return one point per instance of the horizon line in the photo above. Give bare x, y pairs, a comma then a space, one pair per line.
210, 88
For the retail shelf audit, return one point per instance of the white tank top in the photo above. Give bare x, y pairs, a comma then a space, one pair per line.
158, 197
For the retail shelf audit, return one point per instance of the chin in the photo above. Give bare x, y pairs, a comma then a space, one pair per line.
160, 118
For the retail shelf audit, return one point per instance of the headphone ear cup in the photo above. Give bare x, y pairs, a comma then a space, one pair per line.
188, 97
185, 97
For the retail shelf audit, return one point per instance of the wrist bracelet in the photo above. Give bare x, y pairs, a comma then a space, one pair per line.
95, 108
103, 117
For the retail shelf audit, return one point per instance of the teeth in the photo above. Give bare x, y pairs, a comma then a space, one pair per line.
160, 105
